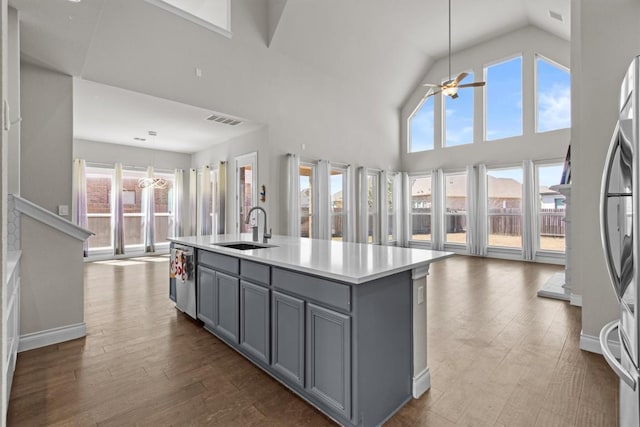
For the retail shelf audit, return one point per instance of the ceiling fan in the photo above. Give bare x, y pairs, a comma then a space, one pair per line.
450, 87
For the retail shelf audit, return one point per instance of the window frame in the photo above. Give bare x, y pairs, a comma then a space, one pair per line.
445, 174
169, 176
409, 133
537, 56
250, 159
345, 202
536, 224
110, 173
373, 213
485, 92
313, 199
411, 213
497, 248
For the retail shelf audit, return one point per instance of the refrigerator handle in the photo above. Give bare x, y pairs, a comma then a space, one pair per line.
611, 359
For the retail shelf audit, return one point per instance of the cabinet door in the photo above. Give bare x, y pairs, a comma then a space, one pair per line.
287, 328
226, 305
329, 358
254, 320
206, 300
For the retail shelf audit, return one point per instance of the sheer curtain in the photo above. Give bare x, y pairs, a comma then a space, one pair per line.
363, 206
193, 204
178, 189
204, 200
324, 199
438, 207
117, 219
221, 199
293, 195
477, 210
79, 202
472, 199
350, 205
148, 213
405, 211
528, 208
384, 208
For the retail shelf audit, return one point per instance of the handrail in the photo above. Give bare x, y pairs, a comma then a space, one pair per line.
39, 213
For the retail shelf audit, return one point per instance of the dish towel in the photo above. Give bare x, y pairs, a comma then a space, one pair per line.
178, 265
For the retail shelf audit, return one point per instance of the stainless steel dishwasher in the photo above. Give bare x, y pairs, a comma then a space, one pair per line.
183, 292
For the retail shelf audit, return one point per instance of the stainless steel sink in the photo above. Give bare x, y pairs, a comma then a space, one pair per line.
244, 246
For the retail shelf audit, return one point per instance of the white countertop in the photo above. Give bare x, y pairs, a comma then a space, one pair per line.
348, 262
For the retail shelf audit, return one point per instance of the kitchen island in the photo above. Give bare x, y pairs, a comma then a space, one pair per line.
343, 325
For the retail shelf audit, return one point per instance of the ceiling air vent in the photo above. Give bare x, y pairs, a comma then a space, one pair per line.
223, 120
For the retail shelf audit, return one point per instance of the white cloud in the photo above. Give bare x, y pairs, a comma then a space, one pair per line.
554, 108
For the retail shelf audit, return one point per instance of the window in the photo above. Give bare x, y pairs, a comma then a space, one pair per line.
338, 214
504, 99
421, 130
458, 116
163, 208
393, 190
373, 207
99, 188
132, 206
247, 189
504, 207
553, 96
421, 200
455, 187
551, 209
307, 174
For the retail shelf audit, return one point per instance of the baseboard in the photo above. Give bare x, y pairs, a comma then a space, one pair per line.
576, 300
421, 383
592, 344
52, 336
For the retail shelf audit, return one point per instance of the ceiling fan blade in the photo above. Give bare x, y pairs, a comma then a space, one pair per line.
460, 77
474, 84
430, 85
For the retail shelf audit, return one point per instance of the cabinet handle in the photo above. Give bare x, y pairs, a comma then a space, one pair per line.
610, 358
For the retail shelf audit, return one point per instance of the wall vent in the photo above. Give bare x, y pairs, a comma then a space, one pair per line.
223, 120
555, 15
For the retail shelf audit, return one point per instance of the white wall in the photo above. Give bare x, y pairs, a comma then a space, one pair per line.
100, 152
13, 98
605, 37
533, 146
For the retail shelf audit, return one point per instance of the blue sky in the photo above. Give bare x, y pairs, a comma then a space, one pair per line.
504, 106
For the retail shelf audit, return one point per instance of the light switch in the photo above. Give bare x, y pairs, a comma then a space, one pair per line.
63, 210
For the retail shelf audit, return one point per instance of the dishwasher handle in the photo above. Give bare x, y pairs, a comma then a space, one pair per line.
611, 359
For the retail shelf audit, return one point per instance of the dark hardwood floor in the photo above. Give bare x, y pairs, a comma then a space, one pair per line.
499, 356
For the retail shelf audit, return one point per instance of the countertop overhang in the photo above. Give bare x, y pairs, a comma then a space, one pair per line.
353, 263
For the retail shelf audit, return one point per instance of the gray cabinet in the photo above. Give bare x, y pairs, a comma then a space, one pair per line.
288, 337
254, 320
206, 301
226, 306
328, 366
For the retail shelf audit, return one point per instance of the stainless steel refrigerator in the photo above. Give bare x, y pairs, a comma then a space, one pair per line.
619, 217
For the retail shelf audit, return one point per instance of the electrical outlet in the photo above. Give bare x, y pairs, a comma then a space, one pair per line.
421, 295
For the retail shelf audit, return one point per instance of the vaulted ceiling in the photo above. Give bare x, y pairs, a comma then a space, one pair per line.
382, 47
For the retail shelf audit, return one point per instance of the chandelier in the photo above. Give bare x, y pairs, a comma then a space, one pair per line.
159, 183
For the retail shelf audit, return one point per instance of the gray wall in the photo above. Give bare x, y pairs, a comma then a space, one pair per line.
52, 267
605, 37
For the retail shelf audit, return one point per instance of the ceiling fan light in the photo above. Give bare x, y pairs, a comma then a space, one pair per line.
450, 91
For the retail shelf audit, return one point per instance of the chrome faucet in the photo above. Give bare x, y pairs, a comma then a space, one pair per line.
266, 236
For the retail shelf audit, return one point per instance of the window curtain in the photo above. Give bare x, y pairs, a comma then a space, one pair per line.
384, 207
323, 205
481, 220
148, 213
176, 208
438, 209
79, 202
117, 219
193, 205
204, 200
528, 208
477, 210
405, 211
363, 205
293, 195
221, 199
349, 201
397, 210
